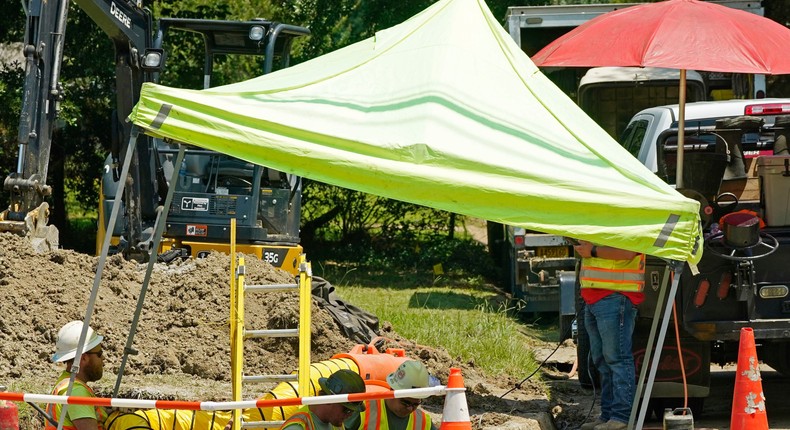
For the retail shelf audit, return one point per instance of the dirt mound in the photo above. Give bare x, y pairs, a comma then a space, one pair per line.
183, 333
184, 325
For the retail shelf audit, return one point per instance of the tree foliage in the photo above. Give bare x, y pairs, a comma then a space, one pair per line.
82, 136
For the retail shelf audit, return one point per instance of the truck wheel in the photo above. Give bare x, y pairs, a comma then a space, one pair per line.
496, 238
777, 355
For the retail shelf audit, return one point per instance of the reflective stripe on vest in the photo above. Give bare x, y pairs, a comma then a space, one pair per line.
375, 418
616, 275
370, 417
302, 418
54, 409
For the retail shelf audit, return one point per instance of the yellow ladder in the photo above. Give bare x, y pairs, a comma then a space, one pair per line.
238, 333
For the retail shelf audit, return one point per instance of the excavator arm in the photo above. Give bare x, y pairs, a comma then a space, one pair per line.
266, 203
130, 28
27, 212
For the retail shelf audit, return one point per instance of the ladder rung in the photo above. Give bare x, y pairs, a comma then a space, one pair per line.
273, 288
269, 378
286, 332
261, 424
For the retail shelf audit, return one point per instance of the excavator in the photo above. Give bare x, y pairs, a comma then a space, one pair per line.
211, 189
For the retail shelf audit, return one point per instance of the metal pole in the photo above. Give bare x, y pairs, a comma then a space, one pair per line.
649, 348
678, 270
97, 278
160, 226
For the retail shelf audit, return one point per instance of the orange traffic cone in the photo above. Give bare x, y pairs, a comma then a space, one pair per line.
455, 415
748, 400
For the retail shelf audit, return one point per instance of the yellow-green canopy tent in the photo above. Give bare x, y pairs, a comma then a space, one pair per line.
443, 110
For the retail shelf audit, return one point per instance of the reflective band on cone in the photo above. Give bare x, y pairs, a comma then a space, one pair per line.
748, 400
456, 413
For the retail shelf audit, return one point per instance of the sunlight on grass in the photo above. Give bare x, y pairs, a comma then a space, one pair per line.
464, 321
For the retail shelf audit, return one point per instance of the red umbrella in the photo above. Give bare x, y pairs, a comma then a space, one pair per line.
678, 34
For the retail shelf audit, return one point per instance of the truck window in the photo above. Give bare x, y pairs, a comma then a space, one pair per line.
612, 95
707, 156
633, 136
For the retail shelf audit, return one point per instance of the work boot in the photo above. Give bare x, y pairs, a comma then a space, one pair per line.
591, 425
612, 425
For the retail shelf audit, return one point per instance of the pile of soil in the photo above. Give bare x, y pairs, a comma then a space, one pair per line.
182, 337
183, 327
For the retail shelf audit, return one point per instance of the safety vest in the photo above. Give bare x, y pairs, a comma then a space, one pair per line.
54, 409
375, 417
304, 419
615, 275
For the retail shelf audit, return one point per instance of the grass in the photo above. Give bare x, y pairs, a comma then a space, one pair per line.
466, 317
28, 417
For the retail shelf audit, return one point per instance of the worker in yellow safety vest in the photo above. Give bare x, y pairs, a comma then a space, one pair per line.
90, 369
612, 283
329, 416
399, 413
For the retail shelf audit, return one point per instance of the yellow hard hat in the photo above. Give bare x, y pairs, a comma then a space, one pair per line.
410, 374
69, 337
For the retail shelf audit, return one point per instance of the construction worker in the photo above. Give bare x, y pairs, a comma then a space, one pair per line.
399, 413
329, 416
612, 283
91, 367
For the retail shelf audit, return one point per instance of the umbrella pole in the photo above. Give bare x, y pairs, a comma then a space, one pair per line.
681, 130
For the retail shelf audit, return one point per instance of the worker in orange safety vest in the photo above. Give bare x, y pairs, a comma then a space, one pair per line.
329, 416
90, 369
612, 283
399, 413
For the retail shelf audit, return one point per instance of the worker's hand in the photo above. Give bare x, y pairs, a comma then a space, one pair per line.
584, 249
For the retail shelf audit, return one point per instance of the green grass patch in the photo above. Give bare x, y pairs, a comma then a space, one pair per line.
471, 322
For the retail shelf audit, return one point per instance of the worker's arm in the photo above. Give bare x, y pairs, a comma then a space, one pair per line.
585, 250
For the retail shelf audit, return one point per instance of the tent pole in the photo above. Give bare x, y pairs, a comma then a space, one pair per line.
152, 258
649, 347
677, 267
99, 269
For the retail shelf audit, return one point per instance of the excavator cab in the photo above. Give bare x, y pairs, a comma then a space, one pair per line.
212, 187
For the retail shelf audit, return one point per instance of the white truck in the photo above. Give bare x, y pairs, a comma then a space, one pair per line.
736, 159
537, 268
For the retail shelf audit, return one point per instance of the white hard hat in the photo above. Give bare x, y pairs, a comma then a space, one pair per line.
69, 337
410, 374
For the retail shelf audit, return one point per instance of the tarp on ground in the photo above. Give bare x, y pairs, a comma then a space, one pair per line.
443, 110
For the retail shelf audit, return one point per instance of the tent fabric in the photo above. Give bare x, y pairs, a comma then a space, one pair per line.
443, 110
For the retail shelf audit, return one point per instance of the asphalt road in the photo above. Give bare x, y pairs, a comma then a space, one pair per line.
717, 410
718, 406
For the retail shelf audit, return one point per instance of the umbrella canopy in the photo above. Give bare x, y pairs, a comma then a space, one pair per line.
678, 34
444, 111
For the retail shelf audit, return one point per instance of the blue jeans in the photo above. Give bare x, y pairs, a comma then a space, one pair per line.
610, 325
